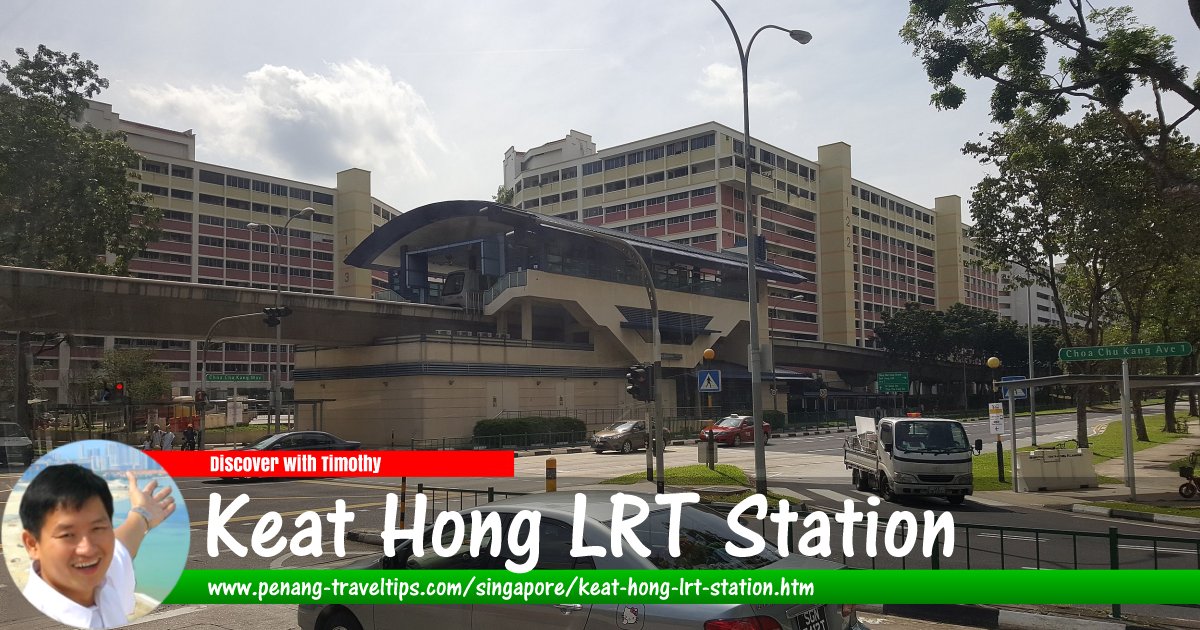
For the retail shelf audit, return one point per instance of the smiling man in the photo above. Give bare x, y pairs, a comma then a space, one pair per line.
82, 569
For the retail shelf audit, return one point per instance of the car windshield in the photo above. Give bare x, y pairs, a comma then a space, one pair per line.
10, 430
702, 536
621, 426
264, 442
731, 421
917, 436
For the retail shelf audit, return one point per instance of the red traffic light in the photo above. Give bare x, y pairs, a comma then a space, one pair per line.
120, 388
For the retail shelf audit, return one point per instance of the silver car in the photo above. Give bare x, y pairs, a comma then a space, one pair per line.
625, 437
16, 449
702, 537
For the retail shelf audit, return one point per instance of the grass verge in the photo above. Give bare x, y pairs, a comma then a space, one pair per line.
1193, 512
694, 475
1105, 446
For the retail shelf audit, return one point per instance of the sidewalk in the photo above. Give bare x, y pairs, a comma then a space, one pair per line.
1156, 485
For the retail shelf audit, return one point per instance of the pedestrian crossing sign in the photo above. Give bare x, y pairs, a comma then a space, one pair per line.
709, 380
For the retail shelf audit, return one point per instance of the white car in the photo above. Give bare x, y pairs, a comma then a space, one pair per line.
702, 537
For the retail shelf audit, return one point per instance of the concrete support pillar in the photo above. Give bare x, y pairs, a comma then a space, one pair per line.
527, 321
502, 323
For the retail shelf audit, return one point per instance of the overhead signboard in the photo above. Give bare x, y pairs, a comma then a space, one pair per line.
893, 382
1132, 351
235, 378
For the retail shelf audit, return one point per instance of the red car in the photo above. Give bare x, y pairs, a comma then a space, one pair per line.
734, 430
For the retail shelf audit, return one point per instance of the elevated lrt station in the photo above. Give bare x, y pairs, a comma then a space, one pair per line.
554, 312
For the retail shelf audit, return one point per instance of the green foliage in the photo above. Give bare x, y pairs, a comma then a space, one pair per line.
504, 195
145, 380
528, 425
774, 417
964, 334
66, 200
1043, 55
694, 475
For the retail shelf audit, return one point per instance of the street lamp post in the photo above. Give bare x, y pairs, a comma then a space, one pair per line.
204, 367
760, 461
277, 368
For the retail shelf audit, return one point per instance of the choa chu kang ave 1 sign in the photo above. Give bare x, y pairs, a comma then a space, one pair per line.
1132, 351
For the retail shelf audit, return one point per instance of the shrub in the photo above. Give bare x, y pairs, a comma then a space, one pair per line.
774, 418
527, 425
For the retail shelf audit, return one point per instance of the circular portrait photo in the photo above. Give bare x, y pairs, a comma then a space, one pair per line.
95, 534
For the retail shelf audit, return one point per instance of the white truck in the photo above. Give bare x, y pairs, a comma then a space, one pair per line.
912, 456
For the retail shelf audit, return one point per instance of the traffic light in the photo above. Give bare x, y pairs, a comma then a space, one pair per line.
274, 313
641, 383
118, 391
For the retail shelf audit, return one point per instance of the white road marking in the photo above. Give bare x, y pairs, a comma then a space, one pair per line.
833, 494
167, 614
1039, 539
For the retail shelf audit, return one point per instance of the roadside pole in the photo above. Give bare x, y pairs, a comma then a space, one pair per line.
1127, 424
1012, 418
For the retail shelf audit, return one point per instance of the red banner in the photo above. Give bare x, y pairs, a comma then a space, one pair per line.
336, 463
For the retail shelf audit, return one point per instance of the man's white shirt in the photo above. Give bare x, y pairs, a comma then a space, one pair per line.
114, 598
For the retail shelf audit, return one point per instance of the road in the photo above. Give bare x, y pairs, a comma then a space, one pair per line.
807, 468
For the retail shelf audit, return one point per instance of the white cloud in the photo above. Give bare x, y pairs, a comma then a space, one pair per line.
308, 126
721, 85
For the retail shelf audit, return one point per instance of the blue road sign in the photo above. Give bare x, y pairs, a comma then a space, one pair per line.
1018, 394
709, 381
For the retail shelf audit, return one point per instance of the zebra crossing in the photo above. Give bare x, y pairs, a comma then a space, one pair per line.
828, 497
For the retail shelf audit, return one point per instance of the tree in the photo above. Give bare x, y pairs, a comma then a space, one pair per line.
504, 195
1044, 54
145, 380
66, 199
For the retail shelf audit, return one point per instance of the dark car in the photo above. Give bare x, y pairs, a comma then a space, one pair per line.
702, 535
734, 430
625, 437
302, 441
16, 449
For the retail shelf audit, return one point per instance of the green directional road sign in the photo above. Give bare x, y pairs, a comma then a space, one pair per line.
893, 382
236, 378
1133, 351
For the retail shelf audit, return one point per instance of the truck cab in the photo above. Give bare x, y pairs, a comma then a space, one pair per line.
912, 456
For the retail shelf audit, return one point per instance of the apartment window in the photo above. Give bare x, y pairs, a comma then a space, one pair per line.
636, 181
300, 193
279, 190
322, 275
549, 199
305, 234
237, 203
635, 158
677, 148
151, 166
212, 241
206, 219
186, 195
704, 167
591, 168
614, 209
184, 172
656, 224
175, 237
175, 215
570, 216
708, 214
682, 171
570, 194
154, 190
614, 186
677, 196
232, 244
654, 153
237, 264
707, 190
210, 177
592, 190
211, 262
531, 203
212, 199
683, 218
614, 162
530, 181
325, 199
652, 178
593, 212
570, 172
548, 178
707, 140
234, 181
236, 224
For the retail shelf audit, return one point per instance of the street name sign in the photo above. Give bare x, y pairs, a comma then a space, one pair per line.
709, 381
235, 378
1132, 351
1018, 393
893, 382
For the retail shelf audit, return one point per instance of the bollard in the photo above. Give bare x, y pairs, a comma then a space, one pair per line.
551, 475
1114, 562
1000, 458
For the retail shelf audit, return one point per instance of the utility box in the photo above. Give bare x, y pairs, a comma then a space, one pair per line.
706, 453
1055, 469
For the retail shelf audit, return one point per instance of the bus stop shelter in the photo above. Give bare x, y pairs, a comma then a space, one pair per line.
1128, 383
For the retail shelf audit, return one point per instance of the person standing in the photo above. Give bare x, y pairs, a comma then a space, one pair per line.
156, 437
189, 438
168, 438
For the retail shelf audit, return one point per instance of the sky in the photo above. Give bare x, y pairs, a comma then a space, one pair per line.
429, 95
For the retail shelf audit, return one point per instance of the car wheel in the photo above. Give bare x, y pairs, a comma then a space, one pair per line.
863, 482
737, 441
340, 620
627, 447
957, 499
